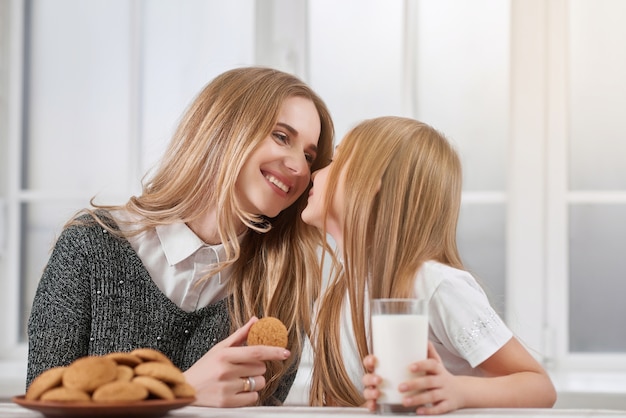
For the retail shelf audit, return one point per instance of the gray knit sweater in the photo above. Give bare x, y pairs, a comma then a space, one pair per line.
96, 297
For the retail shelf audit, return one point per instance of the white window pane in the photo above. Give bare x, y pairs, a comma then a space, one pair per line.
186, 43
463, 58
481, 241
597, 96
597, 278
79, 95
356, 66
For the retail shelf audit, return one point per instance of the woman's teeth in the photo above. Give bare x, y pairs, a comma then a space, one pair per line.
282, 186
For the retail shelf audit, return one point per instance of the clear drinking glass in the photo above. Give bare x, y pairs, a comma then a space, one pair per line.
399, 337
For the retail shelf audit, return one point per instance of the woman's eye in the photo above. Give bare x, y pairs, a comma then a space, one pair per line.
281, 137
310, 158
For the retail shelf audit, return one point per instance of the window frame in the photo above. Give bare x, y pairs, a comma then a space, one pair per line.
13, 357
537, 196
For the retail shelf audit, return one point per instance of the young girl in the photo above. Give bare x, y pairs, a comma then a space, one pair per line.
214, 241
391, 199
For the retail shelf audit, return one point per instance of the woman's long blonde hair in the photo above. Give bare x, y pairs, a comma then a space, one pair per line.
401, 206
275, 269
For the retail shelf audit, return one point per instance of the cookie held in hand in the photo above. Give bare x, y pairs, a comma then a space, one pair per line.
268, 331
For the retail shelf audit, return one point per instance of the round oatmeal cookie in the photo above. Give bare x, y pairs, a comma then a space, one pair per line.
168, 373
183, 390
120, 391
47, 380
150, 354
268, 331
127, 359
63, 394
88, 373
157, 388
124, 373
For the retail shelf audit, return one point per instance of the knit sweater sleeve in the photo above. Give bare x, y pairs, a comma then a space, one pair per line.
59, 323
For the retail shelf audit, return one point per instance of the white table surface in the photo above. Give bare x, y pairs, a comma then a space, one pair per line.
12, 410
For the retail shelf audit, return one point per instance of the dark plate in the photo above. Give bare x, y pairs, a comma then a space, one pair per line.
150, 408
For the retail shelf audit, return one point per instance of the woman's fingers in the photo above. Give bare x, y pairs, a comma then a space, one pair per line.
241, 354
254, 355
238, 337
221, 376
259, 383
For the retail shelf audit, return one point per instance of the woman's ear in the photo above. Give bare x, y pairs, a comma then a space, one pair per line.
378, 185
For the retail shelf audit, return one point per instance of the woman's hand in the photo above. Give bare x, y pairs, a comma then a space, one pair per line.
434, 391
220, 377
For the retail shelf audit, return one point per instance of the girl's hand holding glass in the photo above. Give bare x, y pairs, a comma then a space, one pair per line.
434, 392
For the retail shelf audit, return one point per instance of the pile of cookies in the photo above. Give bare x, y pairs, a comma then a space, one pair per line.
137, 375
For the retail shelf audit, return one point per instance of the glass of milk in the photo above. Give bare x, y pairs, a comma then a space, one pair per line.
399, 337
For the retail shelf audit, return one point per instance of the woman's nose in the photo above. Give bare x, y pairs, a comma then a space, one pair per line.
298, 164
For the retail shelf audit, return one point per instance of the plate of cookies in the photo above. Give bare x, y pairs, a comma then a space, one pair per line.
140, 383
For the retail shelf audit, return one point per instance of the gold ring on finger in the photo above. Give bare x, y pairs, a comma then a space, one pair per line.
248, 384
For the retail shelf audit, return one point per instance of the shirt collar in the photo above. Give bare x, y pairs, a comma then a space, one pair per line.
178, 241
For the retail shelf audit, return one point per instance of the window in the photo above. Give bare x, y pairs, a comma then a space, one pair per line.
531, 93
588, 195
102, 85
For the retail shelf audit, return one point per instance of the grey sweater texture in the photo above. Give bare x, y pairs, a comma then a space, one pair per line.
96, 297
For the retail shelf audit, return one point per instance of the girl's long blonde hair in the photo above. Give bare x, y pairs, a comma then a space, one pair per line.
401, 206
275, 268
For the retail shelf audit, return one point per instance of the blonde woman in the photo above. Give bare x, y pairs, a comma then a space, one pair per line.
390, 199
214, 241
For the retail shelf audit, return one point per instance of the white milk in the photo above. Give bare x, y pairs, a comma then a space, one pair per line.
397, 341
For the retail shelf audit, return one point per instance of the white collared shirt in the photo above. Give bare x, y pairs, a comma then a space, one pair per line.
177, 260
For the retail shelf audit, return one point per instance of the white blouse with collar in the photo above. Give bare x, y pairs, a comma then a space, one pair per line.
177, 260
